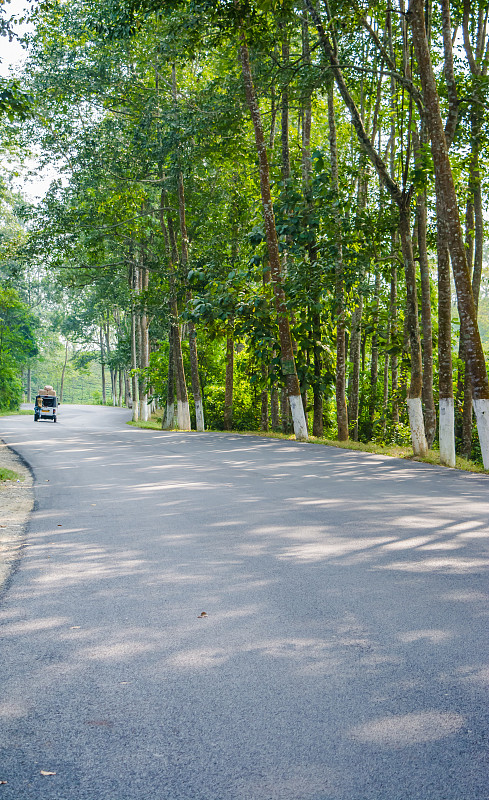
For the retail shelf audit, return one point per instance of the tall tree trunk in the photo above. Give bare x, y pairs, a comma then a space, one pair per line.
134, 351
445, 190
464, 386
445, 378
306, 164
102, 363
474, 249
427, 393
307, 113
356, 324
167, 421
341, 409
192, 334
175, 343
355, 359
287, 353
415, 409
228, 393
374, 353
318, 415
127, 390
63, 374
106, 327
393, 337
284, 130
144, 409
393, 319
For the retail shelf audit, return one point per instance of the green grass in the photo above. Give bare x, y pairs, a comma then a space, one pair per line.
22, 411
153, 424
392, 450
9, 475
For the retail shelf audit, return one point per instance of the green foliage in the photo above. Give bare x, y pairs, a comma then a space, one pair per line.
135, 98
17, 345
14, 103
246, 414
9, 475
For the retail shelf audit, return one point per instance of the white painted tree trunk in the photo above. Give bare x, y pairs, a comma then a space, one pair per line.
416, 424
199, 415
144, 411
447, 431
183, 416
481, 410
169, 417
298, 417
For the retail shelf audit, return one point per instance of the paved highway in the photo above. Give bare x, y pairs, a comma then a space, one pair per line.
344, 655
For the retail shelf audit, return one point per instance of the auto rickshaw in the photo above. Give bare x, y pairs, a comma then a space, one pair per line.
46, 405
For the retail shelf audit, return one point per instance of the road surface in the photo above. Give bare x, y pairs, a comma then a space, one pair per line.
344, 655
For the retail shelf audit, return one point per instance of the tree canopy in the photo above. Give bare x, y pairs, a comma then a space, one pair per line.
167, 121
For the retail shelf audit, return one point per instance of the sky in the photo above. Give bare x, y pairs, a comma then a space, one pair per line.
11, 53
12, 56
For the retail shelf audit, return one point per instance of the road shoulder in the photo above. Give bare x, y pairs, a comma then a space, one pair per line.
16, 502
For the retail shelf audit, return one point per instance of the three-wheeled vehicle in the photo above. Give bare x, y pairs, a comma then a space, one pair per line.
46, 406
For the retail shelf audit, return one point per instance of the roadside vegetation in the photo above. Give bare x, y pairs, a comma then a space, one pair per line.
256, 226
9, 475
392, 450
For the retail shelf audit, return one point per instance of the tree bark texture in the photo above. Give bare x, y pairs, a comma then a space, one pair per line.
355, 359
102, 363
341, 408
134, 358
228, 392
393, 337
287, 353
445, 370
445, 189
144, 409
183, 411
62, 382
306, 168
167, 421
420, 446
427, 392
192, 333
374, 353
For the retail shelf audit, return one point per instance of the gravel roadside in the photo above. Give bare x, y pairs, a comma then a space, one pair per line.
16, 501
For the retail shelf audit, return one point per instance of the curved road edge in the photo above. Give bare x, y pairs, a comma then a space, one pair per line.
16, 504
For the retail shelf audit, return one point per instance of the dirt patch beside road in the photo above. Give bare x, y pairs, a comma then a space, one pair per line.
16, 501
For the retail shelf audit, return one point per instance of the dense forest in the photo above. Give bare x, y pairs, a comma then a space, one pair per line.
267, 215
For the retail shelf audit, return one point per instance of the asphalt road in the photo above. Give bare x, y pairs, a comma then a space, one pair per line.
344, 655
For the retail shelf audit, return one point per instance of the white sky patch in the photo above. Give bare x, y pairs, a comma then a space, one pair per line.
32, 181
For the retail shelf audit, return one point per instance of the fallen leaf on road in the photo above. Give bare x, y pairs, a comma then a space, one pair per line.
45, 772
59, 525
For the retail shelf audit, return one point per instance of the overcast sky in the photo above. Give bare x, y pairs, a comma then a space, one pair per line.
12, 56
